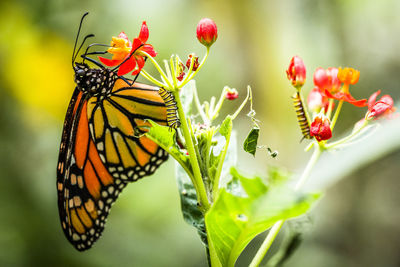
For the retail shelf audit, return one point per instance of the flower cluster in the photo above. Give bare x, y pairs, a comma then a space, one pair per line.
329, 85
128, 55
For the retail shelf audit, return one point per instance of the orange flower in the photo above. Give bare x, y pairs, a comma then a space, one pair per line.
348, 75
120, 47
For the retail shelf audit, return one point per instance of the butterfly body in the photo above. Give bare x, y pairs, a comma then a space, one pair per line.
94, 81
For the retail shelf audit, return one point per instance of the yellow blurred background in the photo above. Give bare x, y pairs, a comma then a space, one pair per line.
357, 223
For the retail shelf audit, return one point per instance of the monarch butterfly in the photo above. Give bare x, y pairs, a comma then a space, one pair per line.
102, 145
301, 115
170, 103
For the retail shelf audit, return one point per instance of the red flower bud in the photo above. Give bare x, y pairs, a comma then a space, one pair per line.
296, 73
206, 32
327, 79
231, 94
321, 128
379, 108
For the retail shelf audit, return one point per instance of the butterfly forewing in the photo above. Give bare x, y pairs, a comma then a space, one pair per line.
117, 127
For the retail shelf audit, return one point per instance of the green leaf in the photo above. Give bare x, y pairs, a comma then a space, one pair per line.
165, 137
250, 144
234, 220
204, 145
254, 186
294, 232
277, 175
226, 126
186, 95
191, 214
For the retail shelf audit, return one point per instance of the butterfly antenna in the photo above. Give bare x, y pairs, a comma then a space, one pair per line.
77, 36
97, 52
83, 42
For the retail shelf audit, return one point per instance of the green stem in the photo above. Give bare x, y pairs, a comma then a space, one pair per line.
311, 163
189, 71
199, 107
330, 107
172, 67
335, 117
266, 244
278, 225
249, 96
197, 179
150, 78
167, 69
159, 69
349, 137
212, 106
217, 108
217, 176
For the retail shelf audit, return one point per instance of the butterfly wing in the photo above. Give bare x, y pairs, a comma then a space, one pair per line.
117, 121
100, 152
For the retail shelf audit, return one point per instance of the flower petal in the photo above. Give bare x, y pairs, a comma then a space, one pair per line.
109, 62
129, 65
136, 45
347, 98
144, 33
387, 99
379, 109
372, 99
123, 36
149, 49
140, 61
140, 64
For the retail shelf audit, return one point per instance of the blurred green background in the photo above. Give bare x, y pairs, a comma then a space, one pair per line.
356, 224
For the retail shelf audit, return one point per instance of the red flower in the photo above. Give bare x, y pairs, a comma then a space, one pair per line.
180, 71
321, 128
180, 76
380, 108
327, 79
231, 94
317, 100
128, 54
207, 32
296, 72
195, 63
